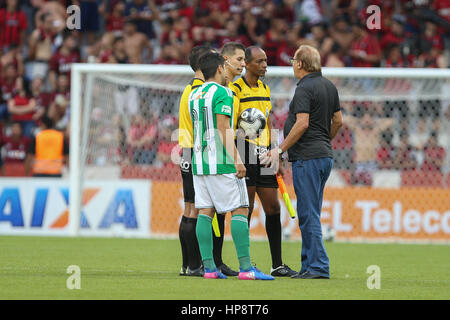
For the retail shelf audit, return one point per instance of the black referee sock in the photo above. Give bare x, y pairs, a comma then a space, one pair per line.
273, 230
218, 241
183, 242
194, 256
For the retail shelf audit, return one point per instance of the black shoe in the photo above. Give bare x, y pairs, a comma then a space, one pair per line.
226, 270
183, 271
199, 272
308, 275
282, 271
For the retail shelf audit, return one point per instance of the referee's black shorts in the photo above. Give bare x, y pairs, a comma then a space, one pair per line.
186, 175
257, 175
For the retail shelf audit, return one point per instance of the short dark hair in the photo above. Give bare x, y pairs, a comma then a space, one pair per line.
209, 62
230, 47
47, 121
248, 53
195, 54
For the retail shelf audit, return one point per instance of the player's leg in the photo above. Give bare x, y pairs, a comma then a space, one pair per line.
194, 257
241, 238
217, 249
234, 198
251, 192
271, 206
188, 239
268, 194
188, 192
203, 231
183, 242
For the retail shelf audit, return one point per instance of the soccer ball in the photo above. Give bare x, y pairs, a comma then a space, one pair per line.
328, 233
251, 121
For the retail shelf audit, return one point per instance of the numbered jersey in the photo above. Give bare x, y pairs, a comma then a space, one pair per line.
209, 154
258, 98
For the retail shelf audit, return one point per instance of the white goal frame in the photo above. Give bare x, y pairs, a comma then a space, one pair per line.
76, 100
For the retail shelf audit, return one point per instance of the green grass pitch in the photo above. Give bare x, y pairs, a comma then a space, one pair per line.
35, 268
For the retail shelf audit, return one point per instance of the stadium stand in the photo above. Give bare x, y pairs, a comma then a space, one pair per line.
34, 43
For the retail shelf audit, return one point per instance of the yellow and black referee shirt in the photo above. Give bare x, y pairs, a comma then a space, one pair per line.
186, 130
258, 98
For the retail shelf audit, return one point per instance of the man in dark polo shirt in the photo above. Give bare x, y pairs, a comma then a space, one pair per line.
313, 121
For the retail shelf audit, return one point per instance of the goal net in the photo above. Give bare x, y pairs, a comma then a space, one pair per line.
391, 175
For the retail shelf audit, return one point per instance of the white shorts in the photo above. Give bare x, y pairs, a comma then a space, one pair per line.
224, 192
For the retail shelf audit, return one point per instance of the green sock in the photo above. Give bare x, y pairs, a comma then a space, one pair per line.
205, 240
241, 239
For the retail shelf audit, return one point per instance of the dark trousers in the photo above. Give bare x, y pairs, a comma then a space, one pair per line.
309, 178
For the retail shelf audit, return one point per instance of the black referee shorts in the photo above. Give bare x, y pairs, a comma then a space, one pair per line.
186, 175
257, 175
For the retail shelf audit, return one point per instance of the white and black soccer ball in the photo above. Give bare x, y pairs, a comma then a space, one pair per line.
251, 121
328, 233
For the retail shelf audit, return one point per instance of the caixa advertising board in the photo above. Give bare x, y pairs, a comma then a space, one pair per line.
109, 208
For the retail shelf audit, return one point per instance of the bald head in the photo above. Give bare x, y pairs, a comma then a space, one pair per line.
309, 58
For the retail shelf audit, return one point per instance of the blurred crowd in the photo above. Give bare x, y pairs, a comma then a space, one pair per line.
36, 50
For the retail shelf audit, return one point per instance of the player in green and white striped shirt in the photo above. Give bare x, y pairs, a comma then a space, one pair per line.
205, 103
218, 171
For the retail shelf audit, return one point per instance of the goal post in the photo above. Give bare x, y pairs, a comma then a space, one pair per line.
108, 101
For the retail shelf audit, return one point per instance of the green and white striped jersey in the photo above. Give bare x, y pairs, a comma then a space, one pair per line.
210, 155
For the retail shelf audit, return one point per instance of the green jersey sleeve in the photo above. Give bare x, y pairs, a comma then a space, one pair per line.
223, 101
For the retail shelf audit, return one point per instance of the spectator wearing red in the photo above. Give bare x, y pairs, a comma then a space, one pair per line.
396, 34
405, 158
15, 57
365, 49
442, 8
231, 34
59, 108
13, 24
63, 58
434, 155
430, 38
386, 151
272, 40
15, 148
8, 89
115, 20
23, 106
168, 55
395, 59
279, 114
42, 97
142, 140
165, 145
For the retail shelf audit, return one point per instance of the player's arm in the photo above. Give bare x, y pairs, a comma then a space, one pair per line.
227, 136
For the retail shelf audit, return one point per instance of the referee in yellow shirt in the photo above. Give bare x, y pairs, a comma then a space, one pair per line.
251, 92
191, 258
